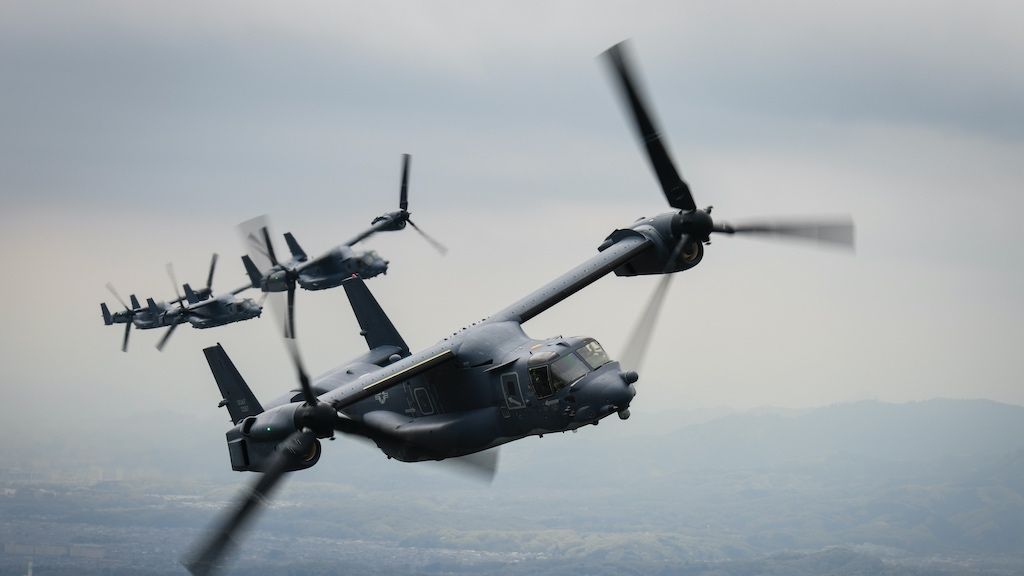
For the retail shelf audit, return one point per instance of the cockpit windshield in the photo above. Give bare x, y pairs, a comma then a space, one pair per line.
593, 354
567, 370
551, 373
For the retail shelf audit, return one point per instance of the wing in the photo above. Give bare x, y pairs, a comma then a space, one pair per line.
384, 223
388, 376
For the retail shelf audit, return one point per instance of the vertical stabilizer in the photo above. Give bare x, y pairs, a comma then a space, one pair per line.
191, 295
375, 325
293, 246
107, 318
237, 397
255, 276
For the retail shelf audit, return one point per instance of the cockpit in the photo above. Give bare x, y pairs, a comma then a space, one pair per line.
550, 371
370, 257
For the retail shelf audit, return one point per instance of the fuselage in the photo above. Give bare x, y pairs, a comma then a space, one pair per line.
224, 309
501, 386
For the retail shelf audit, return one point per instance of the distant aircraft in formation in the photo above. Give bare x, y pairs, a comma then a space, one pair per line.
202, 309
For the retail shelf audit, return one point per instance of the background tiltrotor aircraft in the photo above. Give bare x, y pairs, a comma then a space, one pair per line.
328, 270
487, 384
200, 308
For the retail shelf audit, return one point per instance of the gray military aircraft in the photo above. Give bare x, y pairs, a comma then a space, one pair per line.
200, 308
330, 268
489, 383
153, 315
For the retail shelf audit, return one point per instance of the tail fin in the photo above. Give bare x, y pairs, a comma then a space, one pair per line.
153, 309
191, 295
237, 397
375, 325
254, 273
135, 302
293, 246
107, 318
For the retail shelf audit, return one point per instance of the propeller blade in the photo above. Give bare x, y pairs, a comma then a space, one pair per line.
482, 466
675, 189
290, 329
174, 282
254, 241
837, 232
269, 245
167, 335
110, 288
300, 368
640, 338
207, 558
127, 330
437, 245
403, 197
213, 266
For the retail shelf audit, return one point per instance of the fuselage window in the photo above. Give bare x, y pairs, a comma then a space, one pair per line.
541, 380
567, 370
423, 400
593, 354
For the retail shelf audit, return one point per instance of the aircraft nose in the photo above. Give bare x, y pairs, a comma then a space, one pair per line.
605, 393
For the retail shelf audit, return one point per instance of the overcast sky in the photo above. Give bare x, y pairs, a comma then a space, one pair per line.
139, 133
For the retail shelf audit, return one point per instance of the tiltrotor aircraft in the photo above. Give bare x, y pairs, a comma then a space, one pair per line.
330, 268
151, 316
489, 383
200, 308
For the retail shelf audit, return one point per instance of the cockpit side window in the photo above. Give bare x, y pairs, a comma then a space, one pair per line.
540, 377
593, 354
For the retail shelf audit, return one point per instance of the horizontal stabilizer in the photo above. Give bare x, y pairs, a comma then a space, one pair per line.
375, 325
238, 398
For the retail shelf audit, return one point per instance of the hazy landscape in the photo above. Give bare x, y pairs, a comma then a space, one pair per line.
932, 487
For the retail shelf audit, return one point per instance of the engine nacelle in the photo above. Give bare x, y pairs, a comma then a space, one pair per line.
662, 234
253, 442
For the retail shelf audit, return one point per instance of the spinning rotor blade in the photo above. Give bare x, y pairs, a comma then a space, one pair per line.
167, 335
174, 282
437, 245
300, 368
110, 288
255, 242
640, 338
213, 266
482, 466
127, 330
207, 558
269, 245
676, 190
837, 232
403, 195
290, 327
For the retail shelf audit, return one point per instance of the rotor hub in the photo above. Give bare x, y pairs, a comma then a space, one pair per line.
319, 418
697, 224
